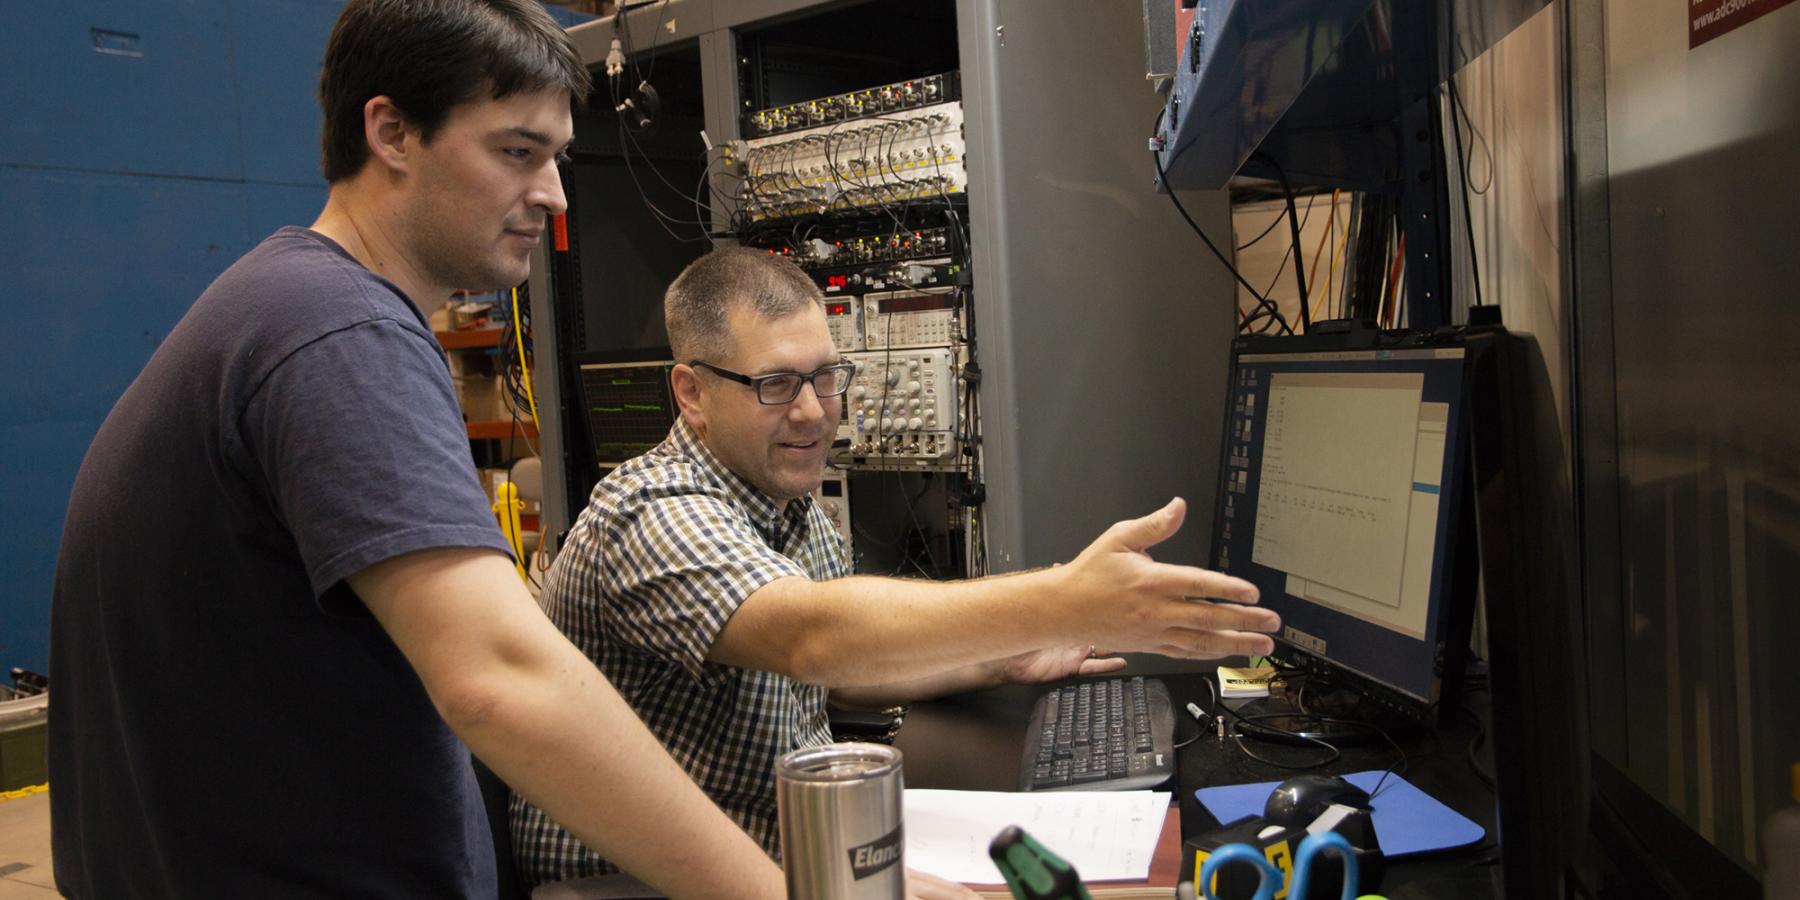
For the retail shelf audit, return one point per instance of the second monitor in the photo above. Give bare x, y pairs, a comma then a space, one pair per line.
627, 402
1342, 497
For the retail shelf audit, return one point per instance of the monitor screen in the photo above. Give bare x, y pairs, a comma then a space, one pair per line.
628, 407
1339, 499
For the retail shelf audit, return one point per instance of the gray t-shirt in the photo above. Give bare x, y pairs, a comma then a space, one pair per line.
228, 720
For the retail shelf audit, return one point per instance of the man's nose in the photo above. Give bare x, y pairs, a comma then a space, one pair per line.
547, 191
808, 406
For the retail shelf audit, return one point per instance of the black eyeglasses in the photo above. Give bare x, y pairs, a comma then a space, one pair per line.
777, 388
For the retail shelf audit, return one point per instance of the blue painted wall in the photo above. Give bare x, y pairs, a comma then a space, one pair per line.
146, 145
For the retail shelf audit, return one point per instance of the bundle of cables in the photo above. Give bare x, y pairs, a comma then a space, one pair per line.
521, 401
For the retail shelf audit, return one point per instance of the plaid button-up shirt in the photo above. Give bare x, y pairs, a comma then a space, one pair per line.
669, 545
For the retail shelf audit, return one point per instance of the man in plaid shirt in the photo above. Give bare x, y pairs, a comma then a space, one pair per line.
715, 595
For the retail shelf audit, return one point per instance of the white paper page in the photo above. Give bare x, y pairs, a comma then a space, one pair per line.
1105, 835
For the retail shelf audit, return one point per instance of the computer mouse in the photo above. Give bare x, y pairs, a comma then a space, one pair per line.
1296, 802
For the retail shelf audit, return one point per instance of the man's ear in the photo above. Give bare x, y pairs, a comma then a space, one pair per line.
391, 137
686, 384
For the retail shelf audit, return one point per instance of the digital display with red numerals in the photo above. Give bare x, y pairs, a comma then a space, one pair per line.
836, 309
837, 281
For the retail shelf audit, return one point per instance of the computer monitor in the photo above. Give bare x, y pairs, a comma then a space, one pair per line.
1539, 722
626, 401
1343, 498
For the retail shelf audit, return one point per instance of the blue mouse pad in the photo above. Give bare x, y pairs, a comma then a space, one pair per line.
1407, 820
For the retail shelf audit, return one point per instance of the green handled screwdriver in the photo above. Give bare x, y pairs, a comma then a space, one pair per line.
1033, 872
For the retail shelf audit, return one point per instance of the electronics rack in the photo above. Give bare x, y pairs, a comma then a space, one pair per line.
866, 191
866, 103
877, 163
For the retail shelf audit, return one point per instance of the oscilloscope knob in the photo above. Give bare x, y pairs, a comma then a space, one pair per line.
893, 377
912, 387
915, 423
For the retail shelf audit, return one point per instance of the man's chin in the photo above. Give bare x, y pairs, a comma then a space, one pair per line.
504, 274
796, 483
509, 280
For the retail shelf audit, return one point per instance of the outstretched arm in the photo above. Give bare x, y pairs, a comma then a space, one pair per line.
865, 631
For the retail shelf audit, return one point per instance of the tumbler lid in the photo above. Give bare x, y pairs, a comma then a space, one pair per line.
838, 762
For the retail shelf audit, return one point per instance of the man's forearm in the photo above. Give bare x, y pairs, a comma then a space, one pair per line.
538, 713
575, 749
866, 632
956, 681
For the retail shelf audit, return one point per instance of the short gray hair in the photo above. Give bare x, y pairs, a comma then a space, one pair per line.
697, 306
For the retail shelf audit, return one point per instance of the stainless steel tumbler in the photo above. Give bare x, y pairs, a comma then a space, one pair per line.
841, 837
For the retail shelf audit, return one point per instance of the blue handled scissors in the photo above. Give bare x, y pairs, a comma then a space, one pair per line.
1269, 878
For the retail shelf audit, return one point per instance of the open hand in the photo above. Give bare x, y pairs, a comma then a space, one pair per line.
1127, 601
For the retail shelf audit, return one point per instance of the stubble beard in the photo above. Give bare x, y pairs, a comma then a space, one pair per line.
449, 258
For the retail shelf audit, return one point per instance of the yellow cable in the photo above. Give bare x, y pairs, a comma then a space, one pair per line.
1343, 247
509, 499
1331, 258
22, 793
507, 507
1312, 273
524, 368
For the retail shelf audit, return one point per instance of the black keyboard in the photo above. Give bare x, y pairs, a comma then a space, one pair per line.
1116, 734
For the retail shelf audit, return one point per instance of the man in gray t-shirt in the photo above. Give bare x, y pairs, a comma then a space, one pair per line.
210, 658
281, 599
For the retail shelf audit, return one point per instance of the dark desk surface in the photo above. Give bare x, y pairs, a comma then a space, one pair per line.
975, 742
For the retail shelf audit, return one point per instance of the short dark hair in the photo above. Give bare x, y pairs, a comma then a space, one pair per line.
697, 305
429, 56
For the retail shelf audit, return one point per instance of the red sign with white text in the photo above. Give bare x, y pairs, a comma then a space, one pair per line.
1707, 19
